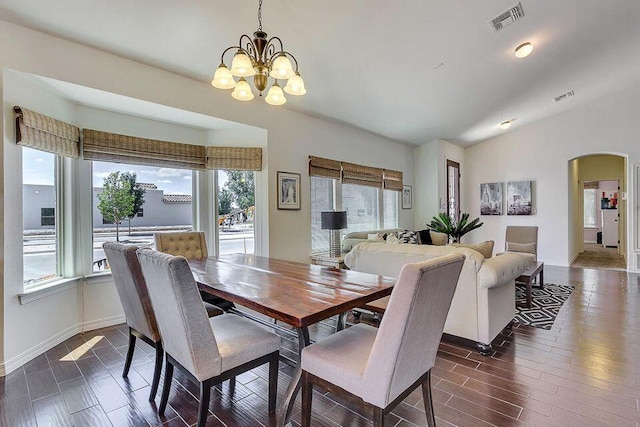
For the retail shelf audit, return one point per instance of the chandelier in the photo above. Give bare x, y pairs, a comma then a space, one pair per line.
259, 58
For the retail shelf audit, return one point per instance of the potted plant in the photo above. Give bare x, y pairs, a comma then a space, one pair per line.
455, 230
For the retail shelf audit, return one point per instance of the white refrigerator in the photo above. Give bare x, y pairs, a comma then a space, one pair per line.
610, 228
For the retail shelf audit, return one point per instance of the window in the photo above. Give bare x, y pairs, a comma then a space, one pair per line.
122, 192
590, 207
367, 208
40, 233
48, 216
236, 212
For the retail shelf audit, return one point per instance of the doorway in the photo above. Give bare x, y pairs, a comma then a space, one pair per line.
599, 211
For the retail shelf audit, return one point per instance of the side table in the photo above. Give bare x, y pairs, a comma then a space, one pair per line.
328, 261
528, 275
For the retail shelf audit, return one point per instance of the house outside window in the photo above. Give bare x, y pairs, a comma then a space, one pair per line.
48, 216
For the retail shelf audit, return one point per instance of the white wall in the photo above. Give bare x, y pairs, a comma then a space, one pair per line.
541, 152
292, 137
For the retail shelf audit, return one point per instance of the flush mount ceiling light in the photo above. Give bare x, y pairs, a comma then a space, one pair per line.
524, 50
260, 58
505, 125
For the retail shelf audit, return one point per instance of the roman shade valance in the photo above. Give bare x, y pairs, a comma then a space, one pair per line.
591, 185
234, 158
111, 147
44, 133
392, 180
325, 168
361, 175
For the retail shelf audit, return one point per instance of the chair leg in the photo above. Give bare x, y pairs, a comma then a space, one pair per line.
273, 382
203, 409
156, 372
428, 401
166, 386
307, 400
132, 346
378, 417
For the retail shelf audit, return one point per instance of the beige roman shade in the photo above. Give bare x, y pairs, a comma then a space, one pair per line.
392, 180
591, 185
111, 147
325, 168
361, 175
234, 158
44, 133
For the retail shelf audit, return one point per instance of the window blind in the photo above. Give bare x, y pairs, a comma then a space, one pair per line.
111, 147
361, 175
234, 158
40, 132
392, 180
324, 168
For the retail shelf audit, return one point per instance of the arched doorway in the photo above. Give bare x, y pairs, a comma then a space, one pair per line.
597, 214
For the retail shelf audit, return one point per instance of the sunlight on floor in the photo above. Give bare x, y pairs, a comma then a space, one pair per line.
78, 352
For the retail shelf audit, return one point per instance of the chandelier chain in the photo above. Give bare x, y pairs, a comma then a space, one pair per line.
260, 15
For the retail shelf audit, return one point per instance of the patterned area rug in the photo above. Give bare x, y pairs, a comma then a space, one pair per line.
545, 305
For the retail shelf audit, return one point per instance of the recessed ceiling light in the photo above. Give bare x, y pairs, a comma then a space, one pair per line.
505, 125
524, 50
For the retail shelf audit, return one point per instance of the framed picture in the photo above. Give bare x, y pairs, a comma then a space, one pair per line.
288, 190
491, 198
407, 197
519, 197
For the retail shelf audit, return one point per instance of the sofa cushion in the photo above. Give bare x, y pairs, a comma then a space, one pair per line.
392, 239
408, 236
529, 248
485, 248
376, 236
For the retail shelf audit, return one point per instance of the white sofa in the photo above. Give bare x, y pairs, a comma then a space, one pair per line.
484, 302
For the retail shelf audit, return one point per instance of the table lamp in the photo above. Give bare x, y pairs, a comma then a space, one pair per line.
334, 221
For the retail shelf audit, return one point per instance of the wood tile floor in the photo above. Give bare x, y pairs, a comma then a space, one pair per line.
583, 372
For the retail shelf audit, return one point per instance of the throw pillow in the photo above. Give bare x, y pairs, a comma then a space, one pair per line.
485, 248
408, 236
439, 239
375, 236
529, 248
393, 239
425, 237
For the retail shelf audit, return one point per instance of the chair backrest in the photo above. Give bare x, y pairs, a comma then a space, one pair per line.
410, 332
522, 234
184, 325
189, 244
132, 289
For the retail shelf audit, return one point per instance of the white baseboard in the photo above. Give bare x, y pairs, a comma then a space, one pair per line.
35, 351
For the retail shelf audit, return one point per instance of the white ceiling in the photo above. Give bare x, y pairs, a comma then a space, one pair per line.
374, 64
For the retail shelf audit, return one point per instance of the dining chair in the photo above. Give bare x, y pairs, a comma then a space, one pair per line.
134, 297
523, 240
208, 351
191, 245
378, 368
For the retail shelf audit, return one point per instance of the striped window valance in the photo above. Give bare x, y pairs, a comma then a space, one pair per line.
44, 133
361, 175
591, 185
325, 168
234, 158
111, 147
392, 180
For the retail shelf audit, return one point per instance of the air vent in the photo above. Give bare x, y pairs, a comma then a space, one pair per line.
564, 96
506, 18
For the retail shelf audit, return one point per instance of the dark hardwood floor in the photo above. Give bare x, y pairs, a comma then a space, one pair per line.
583, 372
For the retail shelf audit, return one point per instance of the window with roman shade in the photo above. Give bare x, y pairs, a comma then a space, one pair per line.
325, 168
234, 158
367, 176
392, 180
40, 132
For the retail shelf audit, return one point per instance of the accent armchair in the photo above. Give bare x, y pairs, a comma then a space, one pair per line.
523, 240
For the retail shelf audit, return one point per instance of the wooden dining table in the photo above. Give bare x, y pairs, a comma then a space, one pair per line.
297, 294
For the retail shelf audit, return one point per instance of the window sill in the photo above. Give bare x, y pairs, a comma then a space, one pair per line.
99, 278
48, 289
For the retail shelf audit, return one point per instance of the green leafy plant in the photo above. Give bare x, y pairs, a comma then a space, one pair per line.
116, 201
455, 230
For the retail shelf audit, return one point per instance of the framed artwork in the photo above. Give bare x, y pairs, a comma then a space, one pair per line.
407, 197
491, 198
288, 190
519, 197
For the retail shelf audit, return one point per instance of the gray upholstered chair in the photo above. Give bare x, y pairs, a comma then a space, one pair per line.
134, 297
522, 240
191, 245
211, 350
378, 368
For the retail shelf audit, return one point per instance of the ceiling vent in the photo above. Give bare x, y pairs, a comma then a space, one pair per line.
506, 18
564, 96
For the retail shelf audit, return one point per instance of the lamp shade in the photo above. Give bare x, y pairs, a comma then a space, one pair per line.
241, 65
295, 86
223, 79
242, 92
333, 220
275, 95
281, 68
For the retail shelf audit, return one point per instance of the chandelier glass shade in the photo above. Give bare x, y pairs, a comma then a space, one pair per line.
262, 58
